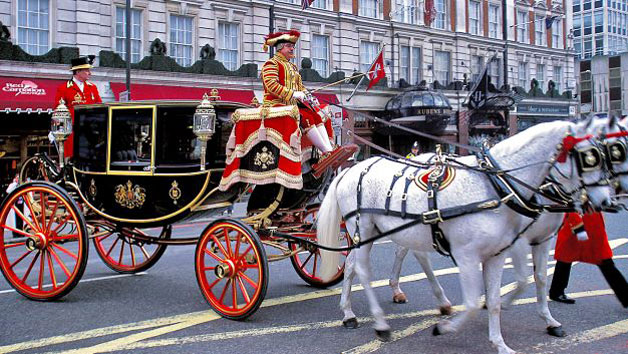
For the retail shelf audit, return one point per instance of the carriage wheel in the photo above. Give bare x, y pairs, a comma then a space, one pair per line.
231, 268
307, 262
48, 259
37, 169
125, 254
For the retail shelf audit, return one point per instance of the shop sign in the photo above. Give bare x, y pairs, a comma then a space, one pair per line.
543, 109
26, 88
430, 111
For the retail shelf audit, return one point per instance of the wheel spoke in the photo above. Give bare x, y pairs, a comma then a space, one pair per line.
62, 222
222, 249
249, 280
30, 267
40, 283
245, 252
315, 264
52, 271
237, 245
52, 216
63, 266
103, 237
112, 246
21, 232
24, 218
306, 260
15, 245
121, 252
213, 255
43, 204
227, 240
224, 290
27, 201
145, 253
132, 255
20, 259
62, 249
214, 283
234, 295
243, 290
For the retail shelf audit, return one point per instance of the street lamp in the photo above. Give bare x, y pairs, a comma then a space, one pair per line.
204, 125
61, 127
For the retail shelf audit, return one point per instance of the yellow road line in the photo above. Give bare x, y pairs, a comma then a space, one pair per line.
175, 323
588, 336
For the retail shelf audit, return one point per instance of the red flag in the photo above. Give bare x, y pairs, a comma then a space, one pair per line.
430, 12
306, 3
376, 72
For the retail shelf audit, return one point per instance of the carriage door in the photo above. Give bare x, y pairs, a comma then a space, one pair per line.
131, 140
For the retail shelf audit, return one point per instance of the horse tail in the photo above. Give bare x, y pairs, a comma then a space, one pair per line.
327, 231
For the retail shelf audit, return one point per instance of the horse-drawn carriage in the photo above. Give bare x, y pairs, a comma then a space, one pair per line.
149, 164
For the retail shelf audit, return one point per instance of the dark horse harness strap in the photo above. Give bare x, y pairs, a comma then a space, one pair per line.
433, 216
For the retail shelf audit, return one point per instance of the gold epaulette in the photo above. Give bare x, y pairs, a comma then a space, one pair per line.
265, 113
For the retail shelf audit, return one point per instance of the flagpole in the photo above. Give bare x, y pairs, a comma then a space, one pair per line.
340, 81
374, 60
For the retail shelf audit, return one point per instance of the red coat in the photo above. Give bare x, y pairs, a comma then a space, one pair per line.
593, 250
72, 95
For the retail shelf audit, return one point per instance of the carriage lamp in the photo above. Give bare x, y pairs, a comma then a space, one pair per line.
204, 125
61, 127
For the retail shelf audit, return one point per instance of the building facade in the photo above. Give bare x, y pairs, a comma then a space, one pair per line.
444, 47
604, 84
599, 27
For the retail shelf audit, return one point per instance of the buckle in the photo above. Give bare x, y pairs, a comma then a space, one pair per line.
389, 194
404, 196
432, 217
430, 193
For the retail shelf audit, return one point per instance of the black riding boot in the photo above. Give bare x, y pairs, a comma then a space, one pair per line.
615, 280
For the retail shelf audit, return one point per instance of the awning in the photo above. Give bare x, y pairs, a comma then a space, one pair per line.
141, 92
28, 95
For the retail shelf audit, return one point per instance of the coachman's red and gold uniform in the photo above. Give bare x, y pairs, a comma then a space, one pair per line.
281, 79
595, 249
73, 95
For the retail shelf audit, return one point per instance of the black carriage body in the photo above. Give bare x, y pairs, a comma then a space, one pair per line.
139, 162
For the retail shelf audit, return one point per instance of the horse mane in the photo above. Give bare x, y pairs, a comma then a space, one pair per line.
532, 136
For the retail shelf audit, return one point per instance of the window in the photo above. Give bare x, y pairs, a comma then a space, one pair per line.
228, 44
181, 39
599, 21
476, 66
588, 48
475, 19
442, 67
540, 75
599, 44
320, 54
522, 27
368, 52
136, 33
587, 23
577, 46
407, 11
557, 30
577, 26
523, 74
558, 77
539, 30
493, 21
33, 26
368, 8
320, 4
410, 64
495, 69
440, 20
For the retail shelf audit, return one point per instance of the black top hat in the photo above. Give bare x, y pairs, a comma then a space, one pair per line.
83, 62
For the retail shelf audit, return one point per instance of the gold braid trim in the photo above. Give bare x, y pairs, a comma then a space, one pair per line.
266, 177
285, 150
265, 112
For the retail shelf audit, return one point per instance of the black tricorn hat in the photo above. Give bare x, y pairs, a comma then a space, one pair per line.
83, 62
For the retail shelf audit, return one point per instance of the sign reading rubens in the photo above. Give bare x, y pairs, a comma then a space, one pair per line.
26, 87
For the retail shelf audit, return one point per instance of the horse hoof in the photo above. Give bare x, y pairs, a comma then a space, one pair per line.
446, 310
384, 336
351, 323
556, 331
436, 331
400, 298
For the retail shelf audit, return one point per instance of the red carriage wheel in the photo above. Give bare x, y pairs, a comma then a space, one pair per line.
307, 262
125, 254
231, 268
48, 258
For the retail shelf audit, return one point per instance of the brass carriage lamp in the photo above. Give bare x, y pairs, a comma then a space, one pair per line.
61, 127
204, 125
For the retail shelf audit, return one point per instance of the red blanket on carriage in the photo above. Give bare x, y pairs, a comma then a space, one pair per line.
264, 148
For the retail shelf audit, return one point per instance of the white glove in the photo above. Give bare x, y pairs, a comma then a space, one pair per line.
582, 236
299, 95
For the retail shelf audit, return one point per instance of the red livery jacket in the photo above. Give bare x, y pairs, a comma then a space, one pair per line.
72, 95
281, 79
593, 250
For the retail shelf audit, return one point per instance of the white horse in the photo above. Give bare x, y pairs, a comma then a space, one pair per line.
474, 238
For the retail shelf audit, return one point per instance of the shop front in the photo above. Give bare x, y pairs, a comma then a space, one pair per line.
531, 113
25, 108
